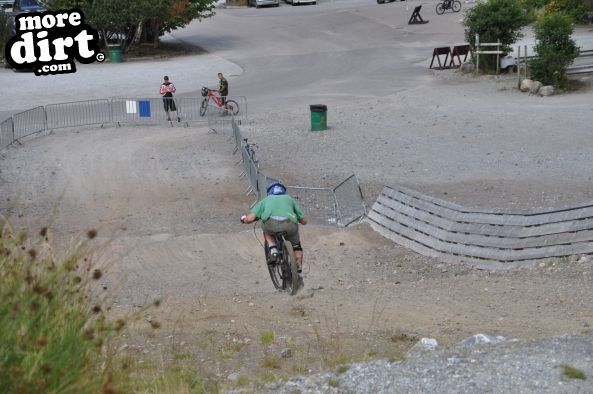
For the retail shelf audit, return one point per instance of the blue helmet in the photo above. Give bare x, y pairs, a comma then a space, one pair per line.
276, 188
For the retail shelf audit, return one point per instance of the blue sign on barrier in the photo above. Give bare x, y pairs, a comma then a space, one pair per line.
144, 108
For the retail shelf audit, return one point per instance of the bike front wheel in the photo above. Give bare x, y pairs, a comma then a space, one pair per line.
439, 9
456, 6
290, 274
232, 106
204, 107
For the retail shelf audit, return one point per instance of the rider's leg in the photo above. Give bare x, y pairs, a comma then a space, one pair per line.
270, 239
167, 104
271, 242
298, 255
173, 108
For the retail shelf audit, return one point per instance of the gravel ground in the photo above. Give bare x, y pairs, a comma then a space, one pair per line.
494, 147
509, 367
474, 141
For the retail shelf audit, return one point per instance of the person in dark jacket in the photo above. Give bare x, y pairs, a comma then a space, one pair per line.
223, 88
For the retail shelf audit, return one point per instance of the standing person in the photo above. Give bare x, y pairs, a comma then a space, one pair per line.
223, 88
167, 90
279, 212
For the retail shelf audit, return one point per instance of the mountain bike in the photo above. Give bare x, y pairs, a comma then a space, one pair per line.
453, 5
229, 106
284, 271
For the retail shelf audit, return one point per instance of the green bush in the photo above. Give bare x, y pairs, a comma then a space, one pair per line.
575, 9
554, 48
495, 20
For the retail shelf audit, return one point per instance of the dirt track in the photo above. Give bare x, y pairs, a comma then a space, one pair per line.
175, 235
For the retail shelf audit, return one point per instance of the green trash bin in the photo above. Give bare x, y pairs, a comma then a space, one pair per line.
318, 117
115, 54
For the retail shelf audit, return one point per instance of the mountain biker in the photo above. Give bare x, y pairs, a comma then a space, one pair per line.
223, 88
279, 212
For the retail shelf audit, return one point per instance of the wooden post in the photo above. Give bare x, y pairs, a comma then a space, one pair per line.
518, 66
477, 45
478, 59
498, 57
525, 61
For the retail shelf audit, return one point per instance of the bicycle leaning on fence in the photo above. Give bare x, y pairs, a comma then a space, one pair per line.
229, 106
453, 5
249, 148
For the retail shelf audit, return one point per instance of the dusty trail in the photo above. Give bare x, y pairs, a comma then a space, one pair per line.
167, 201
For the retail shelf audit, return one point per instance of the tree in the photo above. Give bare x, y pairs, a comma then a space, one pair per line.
5, 26
127, 21
495, 20
575, 9
555, 49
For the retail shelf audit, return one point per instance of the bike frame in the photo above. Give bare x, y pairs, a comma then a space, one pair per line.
216, 98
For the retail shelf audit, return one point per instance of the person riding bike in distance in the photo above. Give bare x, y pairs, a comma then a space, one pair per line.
279, 212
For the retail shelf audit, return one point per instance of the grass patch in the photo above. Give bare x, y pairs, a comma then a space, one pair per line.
342, 368
572, 372
243, 381
52, 334
400, 337
395, 357
266, 337
57, 335
337, 359
173, 380
267, 377
270, 361
182, 356
333, 382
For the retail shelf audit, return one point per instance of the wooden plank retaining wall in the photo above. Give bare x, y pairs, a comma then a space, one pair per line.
484, 238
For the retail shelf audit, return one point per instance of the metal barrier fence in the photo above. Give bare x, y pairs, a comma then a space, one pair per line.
110, 111
6, 133
340, 206
29, 122
78, 113
349, 201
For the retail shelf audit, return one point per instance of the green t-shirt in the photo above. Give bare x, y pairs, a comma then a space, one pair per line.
281, 205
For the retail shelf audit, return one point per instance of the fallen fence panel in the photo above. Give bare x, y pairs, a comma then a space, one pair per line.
349, 201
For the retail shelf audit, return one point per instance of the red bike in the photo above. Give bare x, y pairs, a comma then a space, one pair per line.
230, 105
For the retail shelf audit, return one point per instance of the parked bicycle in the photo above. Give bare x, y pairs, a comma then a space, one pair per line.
230, 105
453, 5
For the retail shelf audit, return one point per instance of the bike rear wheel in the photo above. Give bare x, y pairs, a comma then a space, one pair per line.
290, 275
204, 107
439, 9
456, 6
274, 271
232, 106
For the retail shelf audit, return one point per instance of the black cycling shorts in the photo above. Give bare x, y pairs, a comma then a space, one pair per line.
169, 104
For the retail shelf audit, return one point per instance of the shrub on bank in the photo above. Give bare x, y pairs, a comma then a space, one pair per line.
555, 49
52, 338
